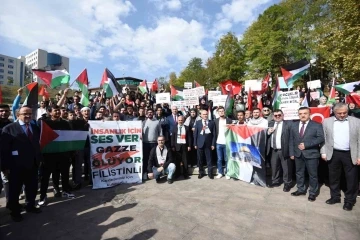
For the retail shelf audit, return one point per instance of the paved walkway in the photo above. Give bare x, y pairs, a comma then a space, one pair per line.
188, 209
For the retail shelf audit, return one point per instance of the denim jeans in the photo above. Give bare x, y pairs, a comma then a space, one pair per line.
221, 156
170, 170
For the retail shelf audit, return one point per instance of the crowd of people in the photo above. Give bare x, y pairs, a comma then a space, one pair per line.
175, 139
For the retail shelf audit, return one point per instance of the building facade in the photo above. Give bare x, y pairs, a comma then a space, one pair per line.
41, 59
12, 71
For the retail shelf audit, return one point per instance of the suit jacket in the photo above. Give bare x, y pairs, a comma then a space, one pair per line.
285, 134
228, 121
172, 123
188, 139
14, 140
153, 162
204, 140
312, 139
328, 146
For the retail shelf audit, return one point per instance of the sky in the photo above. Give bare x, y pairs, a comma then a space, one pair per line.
144, 39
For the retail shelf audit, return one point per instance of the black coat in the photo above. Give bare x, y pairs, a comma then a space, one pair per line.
153, 162
188, 139
285, 135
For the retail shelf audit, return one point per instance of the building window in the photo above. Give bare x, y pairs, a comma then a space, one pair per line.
1, 77
10, 66
11, 60
1, 70
1, 64
2, 59
1, 82
10, 72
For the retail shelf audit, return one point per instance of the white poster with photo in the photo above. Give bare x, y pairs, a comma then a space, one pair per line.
314, 84
162, 98
179, 104
255, 85
290, 98
290, 113
212, 94
187, 84
315, 95
219, 100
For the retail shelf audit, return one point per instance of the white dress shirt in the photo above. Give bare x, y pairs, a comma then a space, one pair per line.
300, 125
222, 127
278, 135
341, 135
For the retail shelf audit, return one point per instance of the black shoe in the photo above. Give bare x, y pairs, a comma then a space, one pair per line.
170, 181
312, 198
211, 176
186, 177
274, 185
76, 187
348, 206
200, 176
57, 193
297, 193
332, 201
34, 209
287, 188
157, 180
16, 217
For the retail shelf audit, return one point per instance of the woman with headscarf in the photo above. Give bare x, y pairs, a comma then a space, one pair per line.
190, 122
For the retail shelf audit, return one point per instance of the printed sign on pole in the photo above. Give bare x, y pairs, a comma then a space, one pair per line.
187, 84
219, 100
163, 98
255, 85
314, 84
212, 94
179, 104
290, 98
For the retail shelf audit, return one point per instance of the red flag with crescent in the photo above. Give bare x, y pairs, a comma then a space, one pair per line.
318, 114
228, 84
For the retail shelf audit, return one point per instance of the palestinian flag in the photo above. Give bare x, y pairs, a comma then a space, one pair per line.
109, 84
155, 86
143, 88
83, 83
318, 114
197, 84
352, 90
277, 97
228, 84
331, 99
31, 100
61, 136
53, 78
229, 103
294, 71
176, 95
245, 148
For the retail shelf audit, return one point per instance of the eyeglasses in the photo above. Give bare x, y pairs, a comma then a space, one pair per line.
277, 115
161, 140
265, 110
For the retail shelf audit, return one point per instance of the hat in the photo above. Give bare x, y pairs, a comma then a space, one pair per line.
85, 108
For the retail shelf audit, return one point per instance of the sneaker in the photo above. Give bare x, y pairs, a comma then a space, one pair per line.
227, 177
42, 201
219, 176
68, 195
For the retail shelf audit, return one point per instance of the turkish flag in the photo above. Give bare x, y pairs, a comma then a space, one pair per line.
318, 114
228, 84
154, 86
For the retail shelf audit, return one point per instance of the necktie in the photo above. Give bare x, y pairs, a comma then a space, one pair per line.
28, 132
302, 130
180, 131
274, 135
175, 118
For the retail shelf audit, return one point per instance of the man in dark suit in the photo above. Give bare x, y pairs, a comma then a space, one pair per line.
172, 119
278, 147
4, 120
304, 147
204, 142
161, 162
220, 128
181, 142
21, 156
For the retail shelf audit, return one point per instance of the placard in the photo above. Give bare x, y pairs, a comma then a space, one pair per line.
290, 113
188, 84
255, 85
179, 104
200, 91
219, 100
192, 101
116, 153
314, 84
315, 95
289, 98
190, 93
211, 94
163, 98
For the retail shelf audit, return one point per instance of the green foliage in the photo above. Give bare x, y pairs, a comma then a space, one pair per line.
193, 72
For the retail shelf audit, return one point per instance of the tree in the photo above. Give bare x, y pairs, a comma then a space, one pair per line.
228, 61
172, 78
194, 71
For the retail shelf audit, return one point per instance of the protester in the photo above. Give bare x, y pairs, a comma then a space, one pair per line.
304, 147
342, 151
256, 119
240, 116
